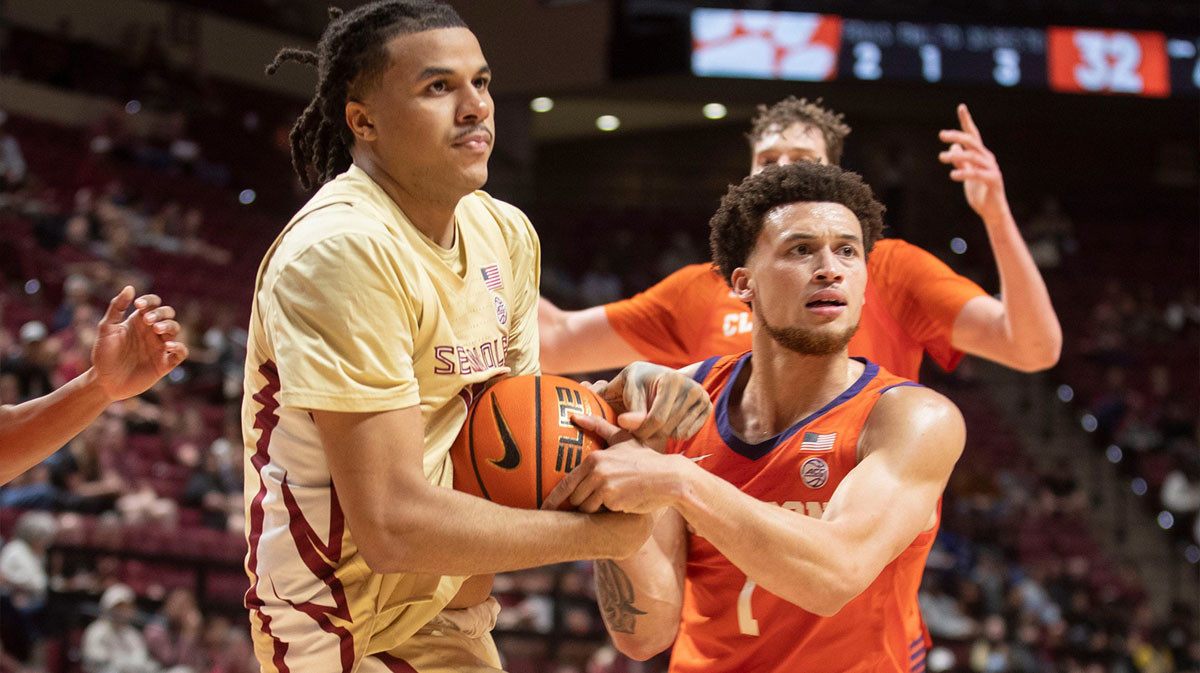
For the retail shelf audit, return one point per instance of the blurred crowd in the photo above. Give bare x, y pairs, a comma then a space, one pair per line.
129, 634
1014, 583
1142, 345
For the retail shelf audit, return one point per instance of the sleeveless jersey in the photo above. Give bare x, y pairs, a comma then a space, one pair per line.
912, 301
729, 624
355, 310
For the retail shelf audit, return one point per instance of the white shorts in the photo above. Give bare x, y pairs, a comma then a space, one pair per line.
455, 641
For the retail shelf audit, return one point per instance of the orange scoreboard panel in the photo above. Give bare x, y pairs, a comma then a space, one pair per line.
1090, 60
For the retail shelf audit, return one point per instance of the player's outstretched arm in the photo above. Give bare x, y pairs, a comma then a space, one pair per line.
403, 523
1021, 329
579, 341
640, 597
908, 447
130, 355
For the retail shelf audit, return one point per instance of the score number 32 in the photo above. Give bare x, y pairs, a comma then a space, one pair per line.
1085, 60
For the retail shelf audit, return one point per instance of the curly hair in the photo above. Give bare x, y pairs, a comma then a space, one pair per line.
792, 110
350, 58
734, 229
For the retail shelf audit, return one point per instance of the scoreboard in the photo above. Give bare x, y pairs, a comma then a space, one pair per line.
826, 47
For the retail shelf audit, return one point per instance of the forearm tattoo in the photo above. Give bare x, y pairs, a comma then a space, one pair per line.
614, 592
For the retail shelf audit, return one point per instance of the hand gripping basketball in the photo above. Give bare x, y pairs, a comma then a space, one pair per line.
626, 477
656, 403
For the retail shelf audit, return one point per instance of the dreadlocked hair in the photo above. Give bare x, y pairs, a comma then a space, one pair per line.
350, 58
792, 110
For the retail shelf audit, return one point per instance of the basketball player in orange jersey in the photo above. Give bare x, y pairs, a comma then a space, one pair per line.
391, 298
128, 357
915, 303
799, 518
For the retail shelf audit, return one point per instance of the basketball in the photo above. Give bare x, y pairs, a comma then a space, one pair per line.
519, 441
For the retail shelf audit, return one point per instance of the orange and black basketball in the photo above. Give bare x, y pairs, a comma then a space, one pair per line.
519, 441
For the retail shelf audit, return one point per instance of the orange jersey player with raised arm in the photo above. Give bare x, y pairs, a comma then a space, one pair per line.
915, 304
797, 521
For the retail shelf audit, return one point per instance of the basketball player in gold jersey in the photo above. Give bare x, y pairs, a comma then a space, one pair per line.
390, 299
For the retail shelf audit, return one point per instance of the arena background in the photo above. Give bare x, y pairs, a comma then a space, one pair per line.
142, 143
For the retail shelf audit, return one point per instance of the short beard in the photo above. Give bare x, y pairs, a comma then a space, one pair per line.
810, 342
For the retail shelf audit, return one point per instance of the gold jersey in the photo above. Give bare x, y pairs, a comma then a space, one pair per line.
355, 310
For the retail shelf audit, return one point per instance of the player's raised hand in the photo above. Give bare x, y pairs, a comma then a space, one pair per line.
975, 166
656, 403
626, 477
131, 355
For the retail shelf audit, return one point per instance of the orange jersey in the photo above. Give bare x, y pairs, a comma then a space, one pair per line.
727, 623
912, 300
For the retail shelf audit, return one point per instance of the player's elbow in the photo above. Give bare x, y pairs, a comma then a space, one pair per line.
829, 603
644, 647
1042, 352
837, 589
388, 545
382, 558
1048, 355
1040, 357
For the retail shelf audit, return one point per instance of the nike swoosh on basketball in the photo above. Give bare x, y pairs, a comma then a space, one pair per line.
512, 453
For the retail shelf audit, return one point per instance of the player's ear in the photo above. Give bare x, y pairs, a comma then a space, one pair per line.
743, 285
358, 118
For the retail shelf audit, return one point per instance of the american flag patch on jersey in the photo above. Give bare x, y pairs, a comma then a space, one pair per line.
491, 277
817, 442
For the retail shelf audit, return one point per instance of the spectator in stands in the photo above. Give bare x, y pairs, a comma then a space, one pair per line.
110, 135
1051, 235
10, 389
1063, 486
681, 252
1181, 489
599, 284
12, 162
111, 644
990, 651
75, 344
129, 356
23, 584
77, 291
1183, 311
195, 245
226, 340
941, 610
34, 361
163, 228
183, 150
213, 489
174, 634
228, 648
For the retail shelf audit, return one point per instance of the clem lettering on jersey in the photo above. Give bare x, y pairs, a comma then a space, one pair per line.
736, 323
